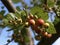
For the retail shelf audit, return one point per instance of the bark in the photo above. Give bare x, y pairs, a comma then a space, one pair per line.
30, 38
9, 6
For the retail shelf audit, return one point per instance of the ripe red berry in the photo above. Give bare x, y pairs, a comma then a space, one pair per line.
32, 22
49, 35
36, 29
40, 21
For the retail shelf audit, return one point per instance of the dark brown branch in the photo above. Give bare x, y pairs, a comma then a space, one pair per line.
9, 5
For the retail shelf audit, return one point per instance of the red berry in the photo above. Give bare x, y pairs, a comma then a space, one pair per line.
49, 35
45, 33
36, 29
40, 21
32, 21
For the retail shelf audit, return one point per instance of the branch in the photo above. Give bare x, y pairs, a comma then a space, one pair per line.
29, 35
9, 5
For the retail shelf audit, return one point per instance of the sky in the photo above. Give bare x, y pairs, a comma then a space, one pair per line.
4, 34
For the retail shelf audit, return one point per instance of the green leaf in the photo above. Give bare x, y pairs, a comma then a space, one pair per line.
51, 28
5, 21
57, 20
57, 24
18, 14
2, 12
26, 39
16, 1
18, 8
58, 2
39, 12
23, 16
10, 16
20, 27
42, 1
50, 3
1, 24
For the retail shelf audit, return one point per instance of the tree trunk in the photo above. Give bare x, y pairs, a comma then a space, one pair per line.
9, 6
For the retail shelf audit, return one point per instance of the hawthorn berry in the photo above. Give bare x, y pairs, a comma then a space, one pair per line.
26, 24
19, 20
36, 29
15, 23
49, 35
28, 17
46, 25
40, 21
32, 22
45, 34
10, 21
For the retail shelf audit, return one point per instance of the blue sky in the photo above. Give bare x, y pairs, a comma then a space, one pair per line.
4, 34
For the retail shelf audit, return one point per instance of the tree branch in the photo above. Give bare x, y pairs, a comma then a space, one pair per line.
9, 5
30, 38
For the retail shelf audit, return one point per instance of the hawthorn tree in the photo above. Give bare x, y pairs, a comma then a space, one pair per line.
34, 17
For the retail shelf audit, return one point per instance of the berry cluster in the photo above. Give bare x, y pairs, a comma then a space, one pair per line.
38, 25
